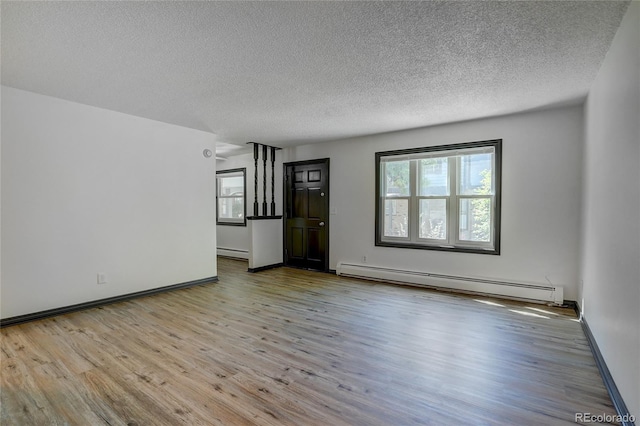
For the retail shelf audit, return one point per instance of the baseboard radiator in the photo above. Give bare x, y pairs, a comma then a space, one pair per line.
230, 252
514, 290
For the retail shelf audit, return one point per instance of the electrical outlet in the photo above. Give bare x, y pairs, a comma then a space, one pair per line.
364, 259
102, 278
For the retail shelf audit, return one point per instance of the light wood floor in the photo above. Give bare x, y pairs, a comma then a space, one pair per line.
301, 348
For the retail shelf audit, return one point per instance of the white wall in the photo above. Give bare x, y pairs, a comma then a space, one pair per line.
87, 190
237, 237
610, 296
542, 154
1, 316
1, 205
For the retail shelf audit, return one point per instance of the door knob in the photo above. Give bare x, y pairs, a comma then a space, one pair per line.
321, 224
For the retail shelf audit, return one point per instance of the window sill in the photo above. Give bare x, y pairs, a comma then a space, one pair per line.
458, 249
232, 223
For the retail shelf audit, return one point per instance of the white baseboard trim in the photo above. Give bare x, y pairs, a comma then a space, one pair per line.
229, 252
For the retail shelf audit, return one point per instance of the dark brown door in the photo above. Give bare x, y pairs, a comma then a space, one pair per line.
307, 214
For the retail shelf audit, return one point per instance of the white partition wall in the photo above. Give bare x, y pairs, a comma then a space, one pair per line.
266, 250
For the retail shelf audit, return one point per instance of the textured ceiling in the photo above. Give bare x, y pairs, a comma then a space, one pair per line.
286, 73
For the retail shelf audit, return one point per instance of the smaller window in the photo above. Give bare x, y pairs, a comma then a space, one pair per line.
230, 197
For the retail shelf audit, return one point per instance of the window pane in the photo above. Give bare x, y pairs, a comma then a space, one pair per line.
396, 174
475, 219
231, 185
396, 218
434, 176
433, 219
231, 208
474, 176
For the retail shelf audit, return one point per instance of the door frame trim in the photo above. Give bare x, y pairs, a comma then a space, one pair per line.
327, 162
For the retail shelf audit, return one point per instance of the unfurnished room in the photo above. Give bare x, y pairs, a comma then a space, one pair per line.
320, 212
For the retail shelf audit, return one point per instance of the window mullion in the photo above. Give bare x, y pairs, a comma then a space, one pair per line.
452, 235
492, 212
383, 182
383, 198
413, 201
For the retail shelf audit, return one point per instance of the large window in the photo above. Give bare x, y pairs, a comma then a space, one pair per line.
440, 198
231, 187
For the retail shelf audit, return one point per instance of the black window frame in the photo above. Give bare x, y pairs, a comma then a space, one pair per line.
457, 245
226, 221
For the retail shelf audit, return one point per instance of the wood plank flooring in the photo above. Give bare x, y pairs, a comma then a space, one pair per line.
292, 347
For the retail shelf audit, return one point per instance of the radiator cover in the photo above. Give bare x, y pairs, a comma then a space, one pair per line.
516, 290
